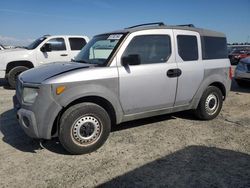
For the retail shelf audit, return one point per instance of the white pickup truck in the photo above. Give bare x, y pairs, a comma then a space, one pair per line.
44, 50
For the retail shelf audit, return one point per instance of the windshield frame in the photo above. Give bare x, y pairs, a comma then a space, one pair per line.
111, 55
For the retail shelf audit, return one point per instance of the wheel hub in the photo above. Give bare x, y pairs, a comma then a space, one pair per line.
86, 130
211, 104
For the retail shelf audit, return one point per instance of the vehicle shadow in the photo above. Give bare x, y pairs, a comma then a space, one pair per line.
193, 166
141, 122
15, 136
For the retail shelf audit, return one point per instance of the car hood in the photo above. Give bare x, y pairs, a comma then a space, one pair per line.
42, 73
13, 50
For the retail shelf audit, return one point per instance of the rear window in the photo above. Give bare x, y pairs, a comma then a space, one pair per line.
76, 43
214, 47
187, 47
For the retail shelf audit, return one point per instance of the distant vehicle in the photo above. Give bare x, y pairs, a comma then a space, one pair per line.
242, 72
237, 54
121, 76
44, 50
230, 48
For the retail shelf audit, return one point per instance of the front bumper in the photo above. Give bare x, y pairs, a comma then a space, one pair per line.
37, 119
26, 119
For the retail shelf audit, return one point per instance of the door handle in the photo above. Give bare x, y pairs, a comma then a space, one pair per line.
64, 54
171, 73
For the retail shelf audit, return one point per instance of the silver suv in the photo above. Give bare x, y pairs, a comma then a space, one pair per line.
141, 71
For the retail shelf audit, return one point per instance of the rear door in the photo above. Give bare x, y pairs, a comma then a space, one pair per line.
147, 86
189, 61
75, 45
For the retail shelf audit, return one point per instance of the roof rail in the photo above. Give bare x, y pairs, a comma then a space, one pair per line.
186, 25
47, 35
154, 23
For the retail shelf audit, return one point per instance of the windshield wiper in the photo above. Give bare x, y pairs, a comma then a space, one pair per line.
79, 61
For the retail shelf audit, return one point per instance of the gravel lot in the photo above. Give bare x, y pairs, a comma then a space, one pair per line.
171, 150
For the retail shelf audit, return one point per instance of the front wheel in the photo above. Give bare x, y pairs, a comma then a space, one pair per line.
210, 104
13, 74
84, 128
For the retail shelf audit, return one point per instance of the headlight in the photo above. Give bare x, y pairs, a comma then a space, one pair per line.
241, 66
29, 94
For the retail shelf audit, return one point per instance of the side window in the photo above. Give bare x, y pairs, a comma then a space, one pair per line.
57, 44
187, 47
150, 48
76, 43
214, 47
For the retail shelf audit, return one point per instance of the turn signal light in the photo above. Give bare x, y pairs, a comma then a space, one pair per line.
60, 89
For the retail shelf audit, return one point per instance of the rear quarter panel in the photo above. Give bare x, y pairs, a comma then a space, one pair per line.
214, 71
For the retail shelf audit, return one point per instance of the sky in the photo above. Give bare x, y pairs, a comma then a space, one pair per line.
22, 21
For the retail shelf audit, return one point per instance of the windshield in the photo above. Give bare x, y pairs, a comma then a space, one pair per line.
99, 49
36, 43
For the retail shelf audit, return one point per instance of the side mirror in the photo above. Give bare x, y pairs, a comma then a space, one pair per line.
46, 48
133, 59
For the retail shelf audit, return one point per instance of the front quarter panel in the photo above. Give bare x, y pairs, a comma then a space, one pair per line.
99, 82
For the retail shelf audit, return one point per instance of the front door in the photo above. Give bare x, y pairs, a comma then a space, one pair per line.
148, 86
58, 52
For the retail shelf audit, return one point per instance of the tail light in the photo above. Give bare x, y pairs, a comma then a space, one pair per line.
230, 72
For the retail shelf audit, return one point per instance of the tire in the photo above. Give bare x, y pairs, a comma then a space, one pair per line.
13, 73
210, 104
84, 128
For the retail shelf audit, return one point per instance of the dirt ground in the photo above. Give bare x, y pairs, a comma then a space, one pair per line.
173, 150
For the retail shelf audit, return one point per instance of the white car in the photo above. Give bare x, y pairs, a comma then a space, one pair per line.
44, 50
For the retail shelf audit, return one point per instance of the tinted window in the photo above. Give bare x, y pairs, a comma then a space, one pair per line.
214, 47
77, 43
150, 48
57, 44
187, 47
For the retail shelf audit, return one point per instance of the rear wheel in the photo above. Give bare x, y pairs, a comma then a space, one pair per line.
13, 74
84, 128
210, 104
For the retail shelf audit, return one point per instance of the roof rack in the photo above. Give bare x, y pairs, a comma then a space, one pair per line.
186, 25
154, 23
